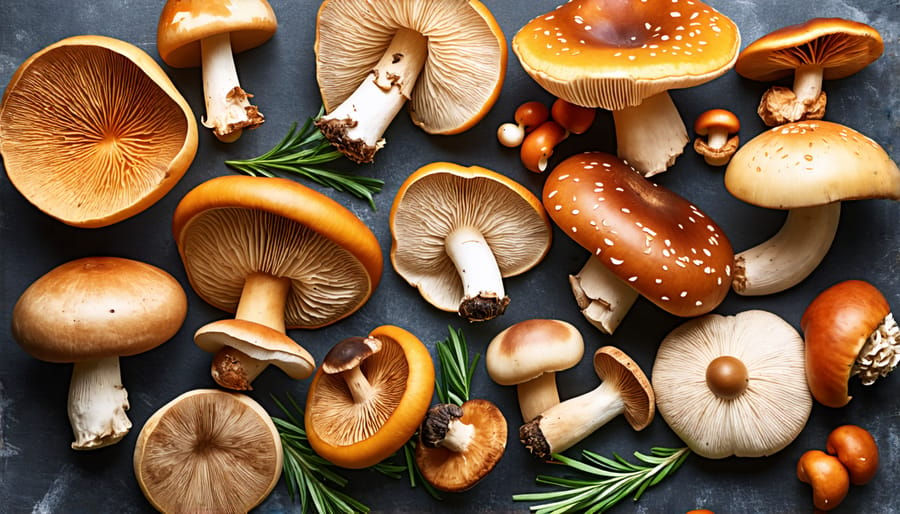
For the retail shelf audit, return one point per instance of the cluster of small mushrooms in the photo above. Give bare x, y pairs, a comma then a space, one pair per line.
278, 256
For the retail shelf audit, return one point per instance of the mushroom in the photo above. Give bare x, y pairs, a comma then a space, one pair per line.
528, 116
827, 476
821, 48
208, 451
92, 131
279, 255
644, 239
528, 354
807, 168
460, 445
857, 450
849, 330
90, 312
733, 385
458, 231
369, 397
447, 58
717, 125
624, 390
207, 33
624, 57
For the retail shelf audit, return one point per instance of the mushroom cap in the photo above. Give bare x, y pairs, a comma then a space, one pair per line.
208, 451
98, 307
614, 367
835, 326
614, 54
258, 341
530, 348
360, 435
842, 47
440, 197
184, 23
811, 163
659, 243
463, 72
92, 131
349, 353
716, 118
458, 471
234, 225
774, 406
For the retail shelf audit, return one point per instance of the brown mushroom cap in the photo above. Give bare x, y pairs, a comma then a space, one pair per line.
656, 241
184, 23
530, 348
350, 353
613, 366
259, 342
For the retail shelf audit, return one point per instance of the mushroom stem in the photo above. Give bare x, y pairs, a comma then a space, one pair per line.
359, 385
263, 299
97, 404
234, 369
651, 135
789, 256
604, 298
717, 137
458, 436
537, 395
228, 108
483, 295
356, 126
808, 83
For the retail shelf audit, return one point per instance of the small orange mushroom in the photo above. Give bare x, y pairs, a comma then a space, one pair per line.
855, 447
528, 116
576, 119
717, 125
539, 144
827, 476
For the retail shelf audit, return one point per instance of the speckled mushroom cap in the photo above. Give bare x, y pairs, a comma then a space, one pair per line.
659, 243
614, 54
766, 409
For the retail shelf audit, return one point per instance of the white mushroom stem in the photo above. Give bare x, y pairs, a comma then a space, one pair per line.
808, 83
790, 255
97, 404
717, 137
650, 135
359, 385
228, 108
475, 263
603, 297
537, 395
458, 436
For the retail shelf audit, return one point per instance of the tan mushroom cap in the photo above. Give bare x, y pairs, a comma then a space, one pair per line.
614, 54
613, 366
98, 307
93, 131
259, 342
811, 163
184, 23
761, 420
530, 348
463, 72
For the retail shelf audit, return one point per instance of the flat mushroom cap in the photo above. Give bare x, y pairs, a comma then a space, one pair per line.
231, 226
765, 417
441, 197
530, 348
259, 342
614, 54
98, 307
463, 72
659, 243
810, 163
92, 131
842, 47
184, 23
613, 366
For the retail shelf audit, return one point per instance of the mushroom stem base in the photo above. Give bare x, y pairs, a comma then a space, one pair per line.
604, 298
651, 135
97, 404
234, 369
484, 297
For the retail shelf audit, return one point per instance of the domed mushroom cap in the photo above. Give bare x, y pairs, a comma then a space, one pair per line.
612, 54
733, 385
463, 71
231, 226
532, 347
616, 368
92, 131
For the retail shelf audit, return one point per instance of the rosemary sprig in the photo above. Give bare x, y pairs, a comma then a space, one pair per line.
613, 479
301, 152
455, 382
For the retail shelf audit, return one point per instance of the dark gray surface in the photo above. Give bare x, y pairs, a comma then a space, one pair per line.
39, 473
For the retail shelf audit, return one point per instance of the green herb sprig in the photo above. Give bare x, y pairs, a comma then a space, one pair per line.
614, 479
301, 152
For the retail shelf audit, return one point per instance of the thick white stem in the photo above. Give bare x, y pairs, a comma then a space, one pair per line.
566, 424
790, 255
458, 437
480, 275
228, 108
604, 298
717, 137
97, 404
650, 135
808, 82
538, 395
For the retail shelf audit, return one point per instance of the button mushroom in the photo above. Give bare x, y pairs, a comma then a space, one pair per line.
279, 255
457, 232
92, 131
807, 168
625, 56
448, 59
849, 330
624, 390
528, 354
90, 312
644, 239
715, 141
821, 48
207, 33
733, 385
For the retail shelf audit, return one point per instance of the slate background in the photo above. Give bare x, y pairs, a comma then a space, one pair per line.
40, 474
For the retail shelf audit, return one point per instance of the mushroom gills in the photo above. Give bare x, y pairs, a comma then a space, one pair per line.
880, 354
